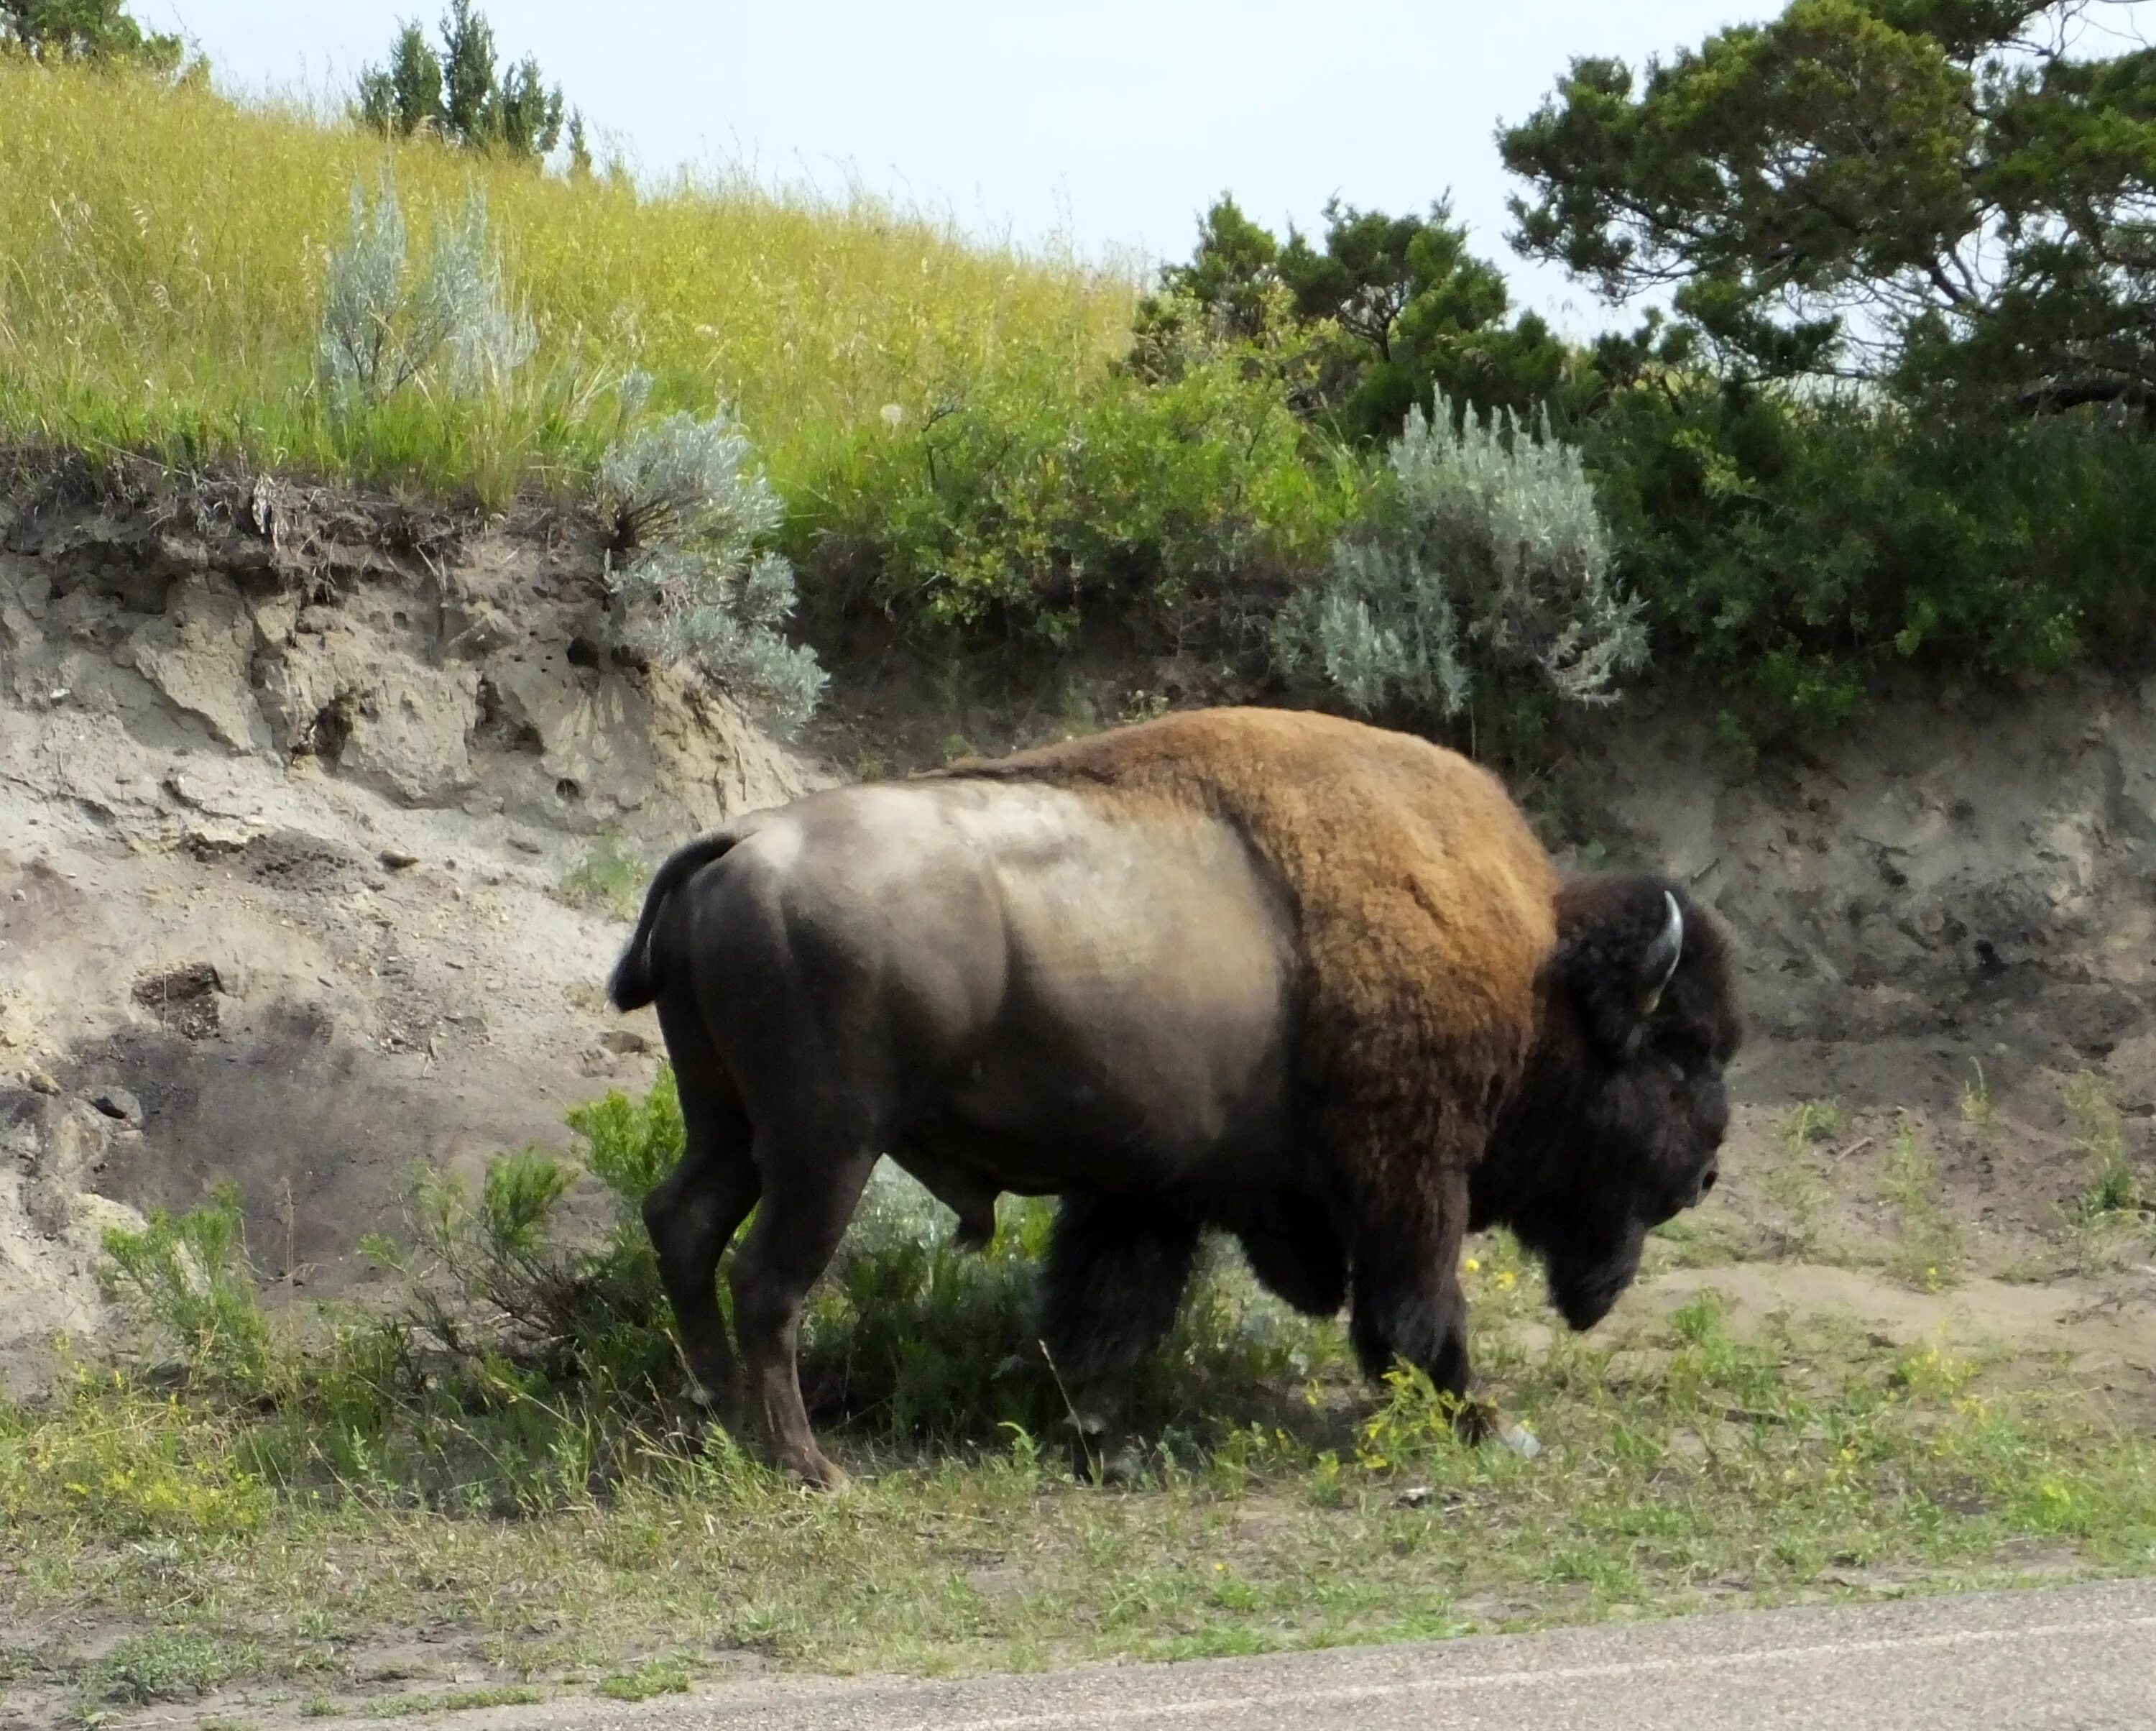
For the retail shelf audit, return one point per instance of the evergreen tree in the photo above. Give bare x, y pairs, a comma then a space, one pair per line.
1395, 311
1924, 193
406, 95
461, 93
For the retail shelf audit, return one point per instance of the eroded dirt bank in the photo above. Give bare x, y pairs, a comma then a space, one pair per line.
289, 788
288, 792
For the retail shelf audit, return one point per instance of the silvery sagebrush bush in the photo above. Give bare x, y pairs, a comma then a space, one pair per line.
689, 513
1491, 557
380, 331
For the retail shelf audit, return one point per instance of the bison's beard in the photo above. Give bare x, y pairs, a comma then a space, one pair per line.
1587, 1270
1584, 1291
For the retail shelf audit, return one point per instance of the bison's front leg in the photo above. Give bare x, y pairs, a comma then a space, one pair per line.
1117, 1269
1408, 1302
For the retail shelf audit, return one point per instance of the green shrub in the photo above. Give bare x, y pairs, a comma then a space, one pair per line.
1029, 497
1792, 551
530, 1358
188, 1277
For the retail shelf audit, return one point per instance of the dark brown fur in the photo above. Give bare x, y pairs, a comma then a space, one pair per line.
1426, 912
1463, 1008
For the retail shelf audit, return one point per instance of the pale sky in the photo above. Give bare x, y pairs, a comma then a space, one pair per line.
1113, 124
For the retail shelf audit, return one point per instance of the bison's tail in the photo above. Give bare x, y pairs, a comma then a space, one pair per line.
633, 984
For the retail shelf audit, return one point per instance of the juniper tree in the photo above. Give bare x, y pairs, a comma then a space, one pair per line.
462, 93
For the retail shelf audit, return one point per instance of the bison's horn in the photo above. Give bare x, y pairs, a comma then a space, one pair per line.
1661, 961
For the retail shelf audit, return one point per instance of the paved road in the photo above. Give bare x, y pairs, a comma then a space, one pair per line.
2083, 1657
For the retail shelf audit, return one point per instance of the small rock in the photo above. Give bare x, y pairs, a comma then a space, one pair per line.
1414, 1496
118, 1103
525, 844
1521, 1441
396, 859
41, 1083
626, 1042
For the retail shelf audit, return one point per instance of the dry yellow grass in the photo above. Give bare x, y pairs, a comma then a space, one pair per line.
163, 255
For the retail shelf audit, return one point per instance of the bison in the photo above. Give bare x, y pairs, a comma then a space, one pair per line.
1308, 982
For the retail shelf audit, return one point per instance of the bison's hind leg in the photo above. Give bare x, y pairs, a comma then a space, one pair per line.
693, 1212
1117, 1269
813, 1175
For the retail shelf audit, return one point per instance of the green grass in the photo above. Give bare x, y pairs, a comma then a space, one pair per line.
640, 1683
159, 291
1691, 1466
400, 1707
260, 1521
2114, 1186
1792, 1184
1927, 1249
606, 878
957, 448
503, 1456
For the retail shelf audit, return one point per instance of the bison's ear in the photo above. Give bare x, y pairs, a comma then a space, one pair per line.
1617, 949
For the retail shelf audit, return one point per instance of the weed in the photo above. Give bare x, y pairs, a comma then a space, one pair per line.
2111, 1212
1791, 1184
164, 1665
641, 1683
1978, 1111
1927, 1249
2114, 1186
607, 877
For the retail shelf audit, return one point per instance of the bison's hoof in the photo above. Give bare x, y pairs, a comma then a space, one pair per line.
1100, 1459
1476, 1422
818, 1473
1126, 1466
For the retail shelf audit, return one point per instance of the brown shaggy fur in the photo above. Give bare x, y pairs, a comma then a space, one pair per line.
1425, 911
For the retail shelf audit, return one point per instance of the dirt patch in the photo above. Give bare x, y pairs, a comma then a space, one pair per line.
299, 864
184, 998
2108, 1330
274, 890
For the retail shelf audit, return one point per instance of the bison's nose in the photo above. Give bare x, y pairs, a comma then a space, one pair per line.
1707, 1180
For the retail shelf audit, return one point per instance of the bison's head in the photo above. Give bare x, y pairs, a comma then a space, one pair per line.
1619, 1121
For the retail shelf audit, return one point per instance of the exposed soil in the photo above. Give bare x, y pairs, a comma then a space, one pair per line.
284, 813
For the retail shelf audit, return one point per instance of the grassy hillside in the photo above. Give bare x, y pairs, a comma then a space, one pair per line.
162, 257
